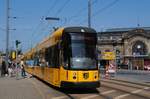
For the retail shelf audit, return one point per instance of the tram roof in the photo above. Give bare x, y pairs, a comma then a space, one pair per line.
79, 29
57, 34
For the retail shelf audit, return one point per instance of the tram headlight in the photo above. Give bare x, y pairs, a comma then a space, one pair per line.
95, 75
74, 75
78, 60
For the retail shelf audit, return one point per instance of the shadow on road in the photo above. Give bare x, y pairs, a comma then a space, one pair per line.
79, 91
68, 92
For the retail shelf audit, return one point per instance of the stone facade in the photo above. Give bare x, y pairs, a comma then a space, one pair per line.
130, 45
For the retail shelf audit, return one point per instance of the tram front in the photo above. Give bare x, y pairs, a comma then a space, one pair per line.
80, 59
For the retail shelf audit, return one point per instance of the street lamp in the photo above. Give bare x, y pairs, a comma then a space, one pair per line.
52, 18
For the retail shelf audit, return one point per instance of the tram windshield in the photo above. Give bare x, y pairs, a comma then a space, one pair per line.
82, 51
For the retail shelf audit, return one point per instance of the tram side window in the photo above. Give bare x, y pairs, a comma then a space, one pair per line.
65, 50
29, 63
36, 61
56, 56
42, 61
52, 56
47, 56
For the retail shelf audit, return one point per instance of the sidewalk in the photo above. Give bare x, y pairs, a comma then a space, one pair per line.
10, 88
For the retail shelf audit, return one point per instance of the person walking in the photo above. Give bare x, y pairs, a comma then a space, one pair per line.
23, 74
17, 70
3, 68
10, 70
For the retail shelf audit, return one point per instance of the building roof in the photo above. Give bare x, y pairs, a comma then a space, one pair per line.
126, 29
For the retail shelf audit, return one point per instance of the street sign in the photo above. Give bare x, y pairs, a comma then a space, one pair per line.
108, 55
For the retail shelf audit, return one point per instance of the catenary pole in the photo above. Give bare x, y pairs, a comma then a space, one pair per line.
89, 13
7, 32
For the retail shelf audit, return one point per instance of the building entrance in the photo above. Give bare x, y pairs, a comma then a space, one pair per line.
138, 64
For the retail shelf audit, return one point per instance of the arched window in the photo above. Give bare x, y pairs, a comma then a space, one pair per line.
139, 48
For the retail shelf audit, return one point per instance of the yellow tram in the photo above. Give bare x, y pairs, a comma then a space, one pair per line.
67, 58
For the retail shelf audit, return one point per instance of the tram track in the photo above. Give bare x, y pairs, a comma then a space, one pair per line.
119, 93
126, 83
127, 93
142, 84
131, 89
109, 89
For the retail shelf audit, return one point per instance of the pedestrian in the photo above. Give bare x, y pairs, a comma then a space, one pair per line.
9, 70
13, 68
3, 68
17, 70
137, 67
23, 74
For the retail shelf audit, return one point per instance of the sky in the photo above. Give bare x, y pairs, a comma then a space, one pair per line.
31, 27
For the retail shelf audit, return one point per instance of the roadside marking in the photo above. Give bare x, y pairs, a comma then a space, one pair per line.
137, 91
103, 93
91, 96
146, 88
60, 97
121, 96
108, 92
133, 92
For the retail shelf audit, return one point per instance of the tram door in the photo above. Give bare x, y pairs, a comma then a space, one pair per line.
56, 71
56, 76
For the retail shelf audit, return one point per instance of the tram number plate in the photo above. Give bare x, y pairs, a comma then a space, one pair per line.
85, 75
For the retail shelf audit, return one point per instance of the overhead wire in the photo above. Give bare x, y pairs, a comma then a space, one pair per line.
62, 7
60, 10
42, 20
81, 11
105, 8
50, 9
47, 12
101, 10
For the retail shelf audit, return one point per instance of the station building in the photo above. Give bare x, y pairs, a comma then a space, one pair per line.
127, 48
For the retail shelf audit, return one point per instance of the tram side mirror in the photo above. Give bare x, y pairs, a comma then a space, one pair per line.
59, 45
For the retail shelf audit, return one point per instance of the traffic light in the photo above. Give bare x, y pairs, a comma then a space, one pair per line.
117, 51
17, 43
